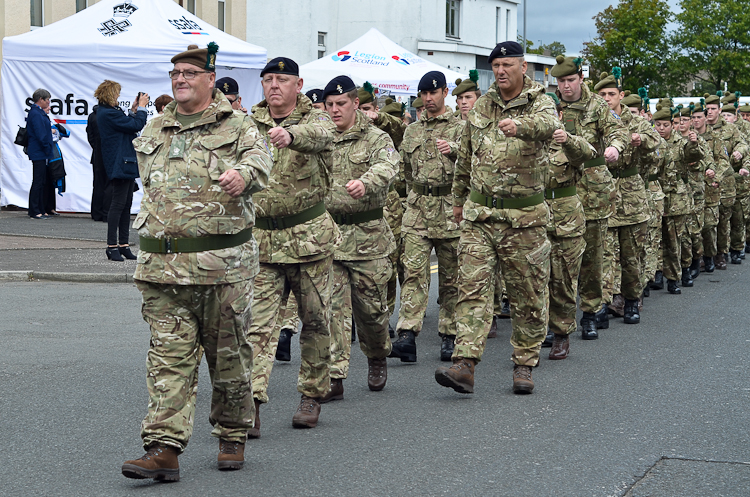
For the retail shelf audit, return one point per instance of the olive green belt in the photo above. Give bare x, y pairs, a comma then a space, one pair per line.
435, 191
599, 161
653, 177
358, 217
284, 222
625, 173
198, 244
506, 203
567, 191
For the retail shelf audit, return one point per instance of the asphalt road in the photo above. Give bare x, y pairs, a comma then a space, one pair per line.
657, 409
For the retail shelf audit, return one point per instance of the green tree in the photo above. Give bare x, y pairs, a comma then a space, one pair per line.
633, 36
713, 39
555, 48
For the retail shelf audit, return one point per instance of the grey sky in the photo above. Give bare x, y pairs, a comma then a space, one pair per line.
570, 22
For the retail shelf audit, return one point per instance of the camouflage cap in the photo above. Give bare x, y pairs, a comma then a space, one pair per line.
203, 58
663, 113
462, 86
713, 99
632, 100
366, 93
566, 66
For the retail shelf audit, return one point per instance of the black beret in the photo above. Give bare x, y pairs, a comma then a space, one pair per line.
316, 95
506, 49
338, 86
228, 86
433, 80
281, 65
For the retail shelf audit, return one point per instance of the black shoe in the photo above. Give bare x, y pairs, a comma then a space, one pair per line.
695, 268
658, 283
446, 348
405, 347
548, 339
708, 264
284, 350
631, 315
673, 288
687, 281
391, 331
505, 310
126, 253
646, 292
747, 247
113, 254
735, 257
354, 331
588, 326
742, 254
602, 318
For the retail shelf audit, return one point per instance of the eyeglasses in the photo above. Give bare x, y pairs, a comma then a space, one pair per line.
231, 101
188, 75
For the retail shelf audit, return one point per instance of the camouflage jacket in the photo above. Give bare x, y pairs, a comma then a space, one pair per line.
674, 179
728, 137
591, 118
365, 153
299, 180
631, 200
495, 165
567, 217
394, 126
719, 163
430, 215
394, 206
180, 168
743, 182
697, 174
655, 163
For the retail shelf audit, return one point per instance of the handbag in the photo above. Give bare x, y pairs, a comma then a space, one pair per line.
22, 137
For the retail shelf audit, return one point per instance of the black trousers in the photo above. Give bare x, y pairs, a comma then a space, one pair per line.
118, 218
101, 196
36, 194
50, 193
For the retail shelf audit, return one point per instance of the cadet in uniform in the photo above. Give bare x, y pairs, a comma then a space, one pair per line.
364, 165
296, 236
200, 163
429, 151
467, 92
316, 97
498, 193
231, 90
418, 106
744, 113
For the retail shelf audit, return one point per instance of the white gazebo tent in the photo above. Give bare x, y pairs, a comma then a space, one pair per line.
128, 42
374, 58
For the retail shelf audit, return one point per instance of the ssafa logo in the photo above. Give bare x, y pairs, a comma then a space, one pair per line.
400, 60
341, 56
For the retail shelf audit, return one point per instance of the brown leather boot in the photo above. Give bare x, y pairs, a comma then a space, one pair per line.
522, 382
617, 307
459, 377
377, 374
721, 262
159, 462
560, 348
307, 413
336, 392
254, 432
231, 455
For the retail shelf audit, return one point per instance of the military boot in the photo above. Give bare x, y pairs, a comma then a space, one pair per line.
505, 310
548, 339
658, 283
687, 281
377, 374
231, 455
493, 327
254, 432
159, 463
720, 261
522, 382
459, 377
673, 288
284, 350
709, 264
602, 318
631, 315
391, 331
617, 306
335, 393
695, 268
560, 348
307, 413
735, 257
446, 347
405, 347
588, 326
747, 247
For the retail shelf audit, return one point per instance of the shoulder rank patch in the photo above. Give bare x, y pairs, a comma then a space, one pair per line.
614, 114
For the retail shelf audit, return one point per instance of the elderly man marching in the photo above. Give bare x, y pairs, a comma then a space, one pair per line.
498, 192
200, 162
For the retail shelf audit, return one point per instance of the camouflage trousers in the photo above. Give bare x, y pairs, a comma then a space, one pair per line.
185, 321
523, 255
311, 284
724, 227
709, 232
394, 213
692, 240
565, 266
592, 265
740, 216
359, 288
654, 256
416, 287
500, 294
289, 317
673, 229
628, 248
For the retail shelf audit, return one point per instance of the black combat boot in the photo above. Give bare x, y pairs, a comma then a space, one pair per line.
602, 318
673, 288
747, 247
548, 339
687, 281
630, 314
588, 326
658, 283
405, 347
735, 257
284, 349
391, 331
446, 348
708, 264
695, 268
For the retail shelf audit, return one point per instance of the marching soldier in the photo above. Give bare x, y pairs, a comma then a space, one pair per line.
316, 97
231, 90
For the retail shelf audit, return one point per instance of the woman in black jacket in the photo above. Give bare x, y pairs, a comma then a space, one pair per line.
116, 133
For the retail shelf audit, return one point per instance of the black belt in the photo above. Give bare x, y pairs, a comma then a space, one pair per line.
599, 161
358, 217
506, 203
567, 191
198, 244
625, 173
284, 222
435, 191
401, 190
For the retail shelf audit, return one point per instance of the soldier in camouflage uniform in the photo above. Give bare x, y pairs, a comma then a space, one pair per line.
296, 236
626, 235
200, 162
498, 192
429, 151
744, 113
364, 165
585, 114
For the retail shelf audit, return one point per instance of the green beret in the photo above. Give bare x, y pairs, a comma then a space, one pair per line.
665, 102
393, 108
467, 84
730, 107
686, 111
713, 99
700, 106
566, 66
366, 93
662, 113
730, 98
203, 58
744, 108
613, 80
632, 100
418, 104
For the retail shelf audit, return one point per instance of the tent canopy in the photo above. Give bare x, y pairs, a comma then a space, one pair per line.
374, 58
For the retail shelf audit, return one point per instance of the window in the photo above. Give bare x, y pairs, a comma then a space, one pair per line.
321, 44
222, 15
321, 54
507, 24
539, 76
81, 4
452, 10
191, 6
37, 13
498, 26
